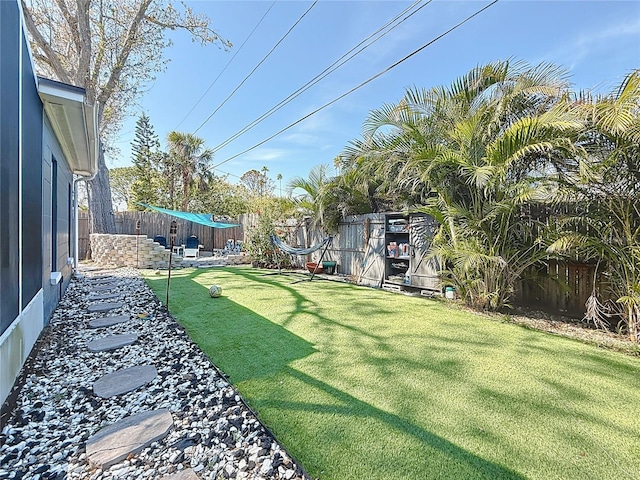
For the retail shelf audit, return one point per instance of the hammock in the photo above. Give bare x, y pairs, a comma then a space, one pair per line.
298, 251
276, 242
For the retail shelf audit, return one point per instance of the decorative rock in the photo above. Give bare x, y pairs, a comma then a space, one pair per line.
123, 381
187, 474
104, 307
112, 342
55, 413
128, 436
108, 321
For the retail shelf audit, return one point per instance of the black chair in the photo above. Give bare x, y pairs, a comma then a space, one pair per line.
161, 240
192, 247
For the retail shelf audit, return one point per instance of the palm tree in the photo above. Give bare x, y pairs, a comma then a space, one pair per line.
191, 160
312, 188
471, 155
607, 186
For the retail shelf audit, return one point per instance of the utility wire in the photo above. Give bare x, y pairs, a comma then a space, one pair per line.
369, 80
227, 65
257, 66
327, 71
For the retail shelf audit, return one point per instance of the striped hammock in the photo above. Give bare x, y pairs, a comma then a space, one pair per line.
298, 251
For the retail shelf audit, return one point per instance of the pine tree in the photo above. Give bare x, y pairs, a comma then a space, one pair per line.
145, 148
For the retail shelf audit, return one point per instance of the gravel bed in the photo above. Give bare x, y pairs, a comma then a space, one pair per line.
56, 411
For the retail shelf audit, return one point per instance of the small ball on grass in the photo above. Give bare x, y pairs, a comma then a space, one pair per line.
215, 291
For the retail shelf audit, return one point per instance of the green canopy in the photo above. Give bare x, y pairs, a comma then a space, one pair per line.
201, 218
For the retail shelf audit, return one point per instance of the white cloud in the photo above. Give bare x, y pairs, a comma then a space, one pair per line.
264, 154
304, 139
583, 45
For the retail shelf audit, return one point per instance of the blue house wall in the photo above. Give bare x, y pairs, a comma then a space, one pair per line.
36, 203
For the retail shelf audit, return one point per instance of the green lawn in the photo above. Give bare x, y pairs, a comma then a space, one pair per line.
360, 383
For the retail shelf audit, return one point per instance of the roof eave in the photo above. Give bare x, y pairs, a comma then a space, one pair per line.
74, 122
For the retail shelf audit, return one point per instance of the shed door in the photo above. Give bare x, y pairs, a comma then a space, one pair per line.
372, 272
424, 272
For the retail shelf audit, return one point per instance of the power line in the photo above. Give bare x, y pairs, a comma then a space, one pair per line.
225, 173
227, 65
369, 80
257, 66
346, 57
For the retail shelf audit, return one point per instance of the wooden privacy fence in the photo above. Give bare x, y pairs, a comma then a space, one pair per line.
559, 287
152, 224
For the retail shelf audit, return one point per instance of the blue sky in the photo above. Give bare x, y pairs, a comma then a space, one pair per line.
598, 42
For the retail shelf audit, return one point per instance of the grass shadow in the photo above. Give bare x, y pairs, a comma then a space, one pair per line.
456, 462
255, 346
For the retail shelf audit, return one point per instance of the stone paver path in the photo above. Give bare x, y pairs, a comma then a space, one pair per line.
116, 442
104, 288
123, 381
111, 342
186, 474
102, 296
102, 280
108, 321
104, 307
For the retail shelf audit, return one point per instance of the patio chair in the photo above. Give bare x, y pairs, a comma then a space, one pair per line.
192, 247
161, 240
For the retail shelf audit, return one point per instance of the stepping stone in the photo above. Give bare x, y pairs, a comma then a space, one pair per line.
186, 474
104, 288
103, 296
123, 381
108, 321
128, 436
111, 342
102, 281
104, 307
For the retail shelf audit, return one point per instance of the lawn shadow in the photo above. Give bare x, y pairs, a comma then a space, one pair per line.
252, 346
303, 304
460, 462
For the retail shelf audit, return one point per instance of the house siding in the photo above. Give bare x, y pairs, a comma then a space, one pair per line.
64, 181
27, 149
10, 52
31, 181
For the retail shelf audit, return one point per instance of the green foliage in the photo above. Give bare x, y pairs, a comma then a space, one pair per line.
215, 195
180, 179
145, 147
258, 184
327, 200
188, 161
122, 180
271, 215
603, 223
471, 156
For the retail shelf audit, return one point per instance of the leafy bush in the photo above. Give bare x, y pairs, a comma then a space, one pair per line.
258, 244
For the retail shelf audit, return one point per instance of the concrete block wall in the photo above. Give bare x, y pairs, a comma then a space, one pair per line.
131, 251
237, 259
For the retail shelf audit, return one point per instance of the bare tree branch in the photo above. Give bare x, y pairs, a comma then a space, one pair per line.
121, 60
97, 64
52, 58
84, 35
71, 21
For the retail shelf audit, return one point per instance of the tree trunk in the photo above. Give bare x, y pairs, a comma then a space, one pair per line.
101, 218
